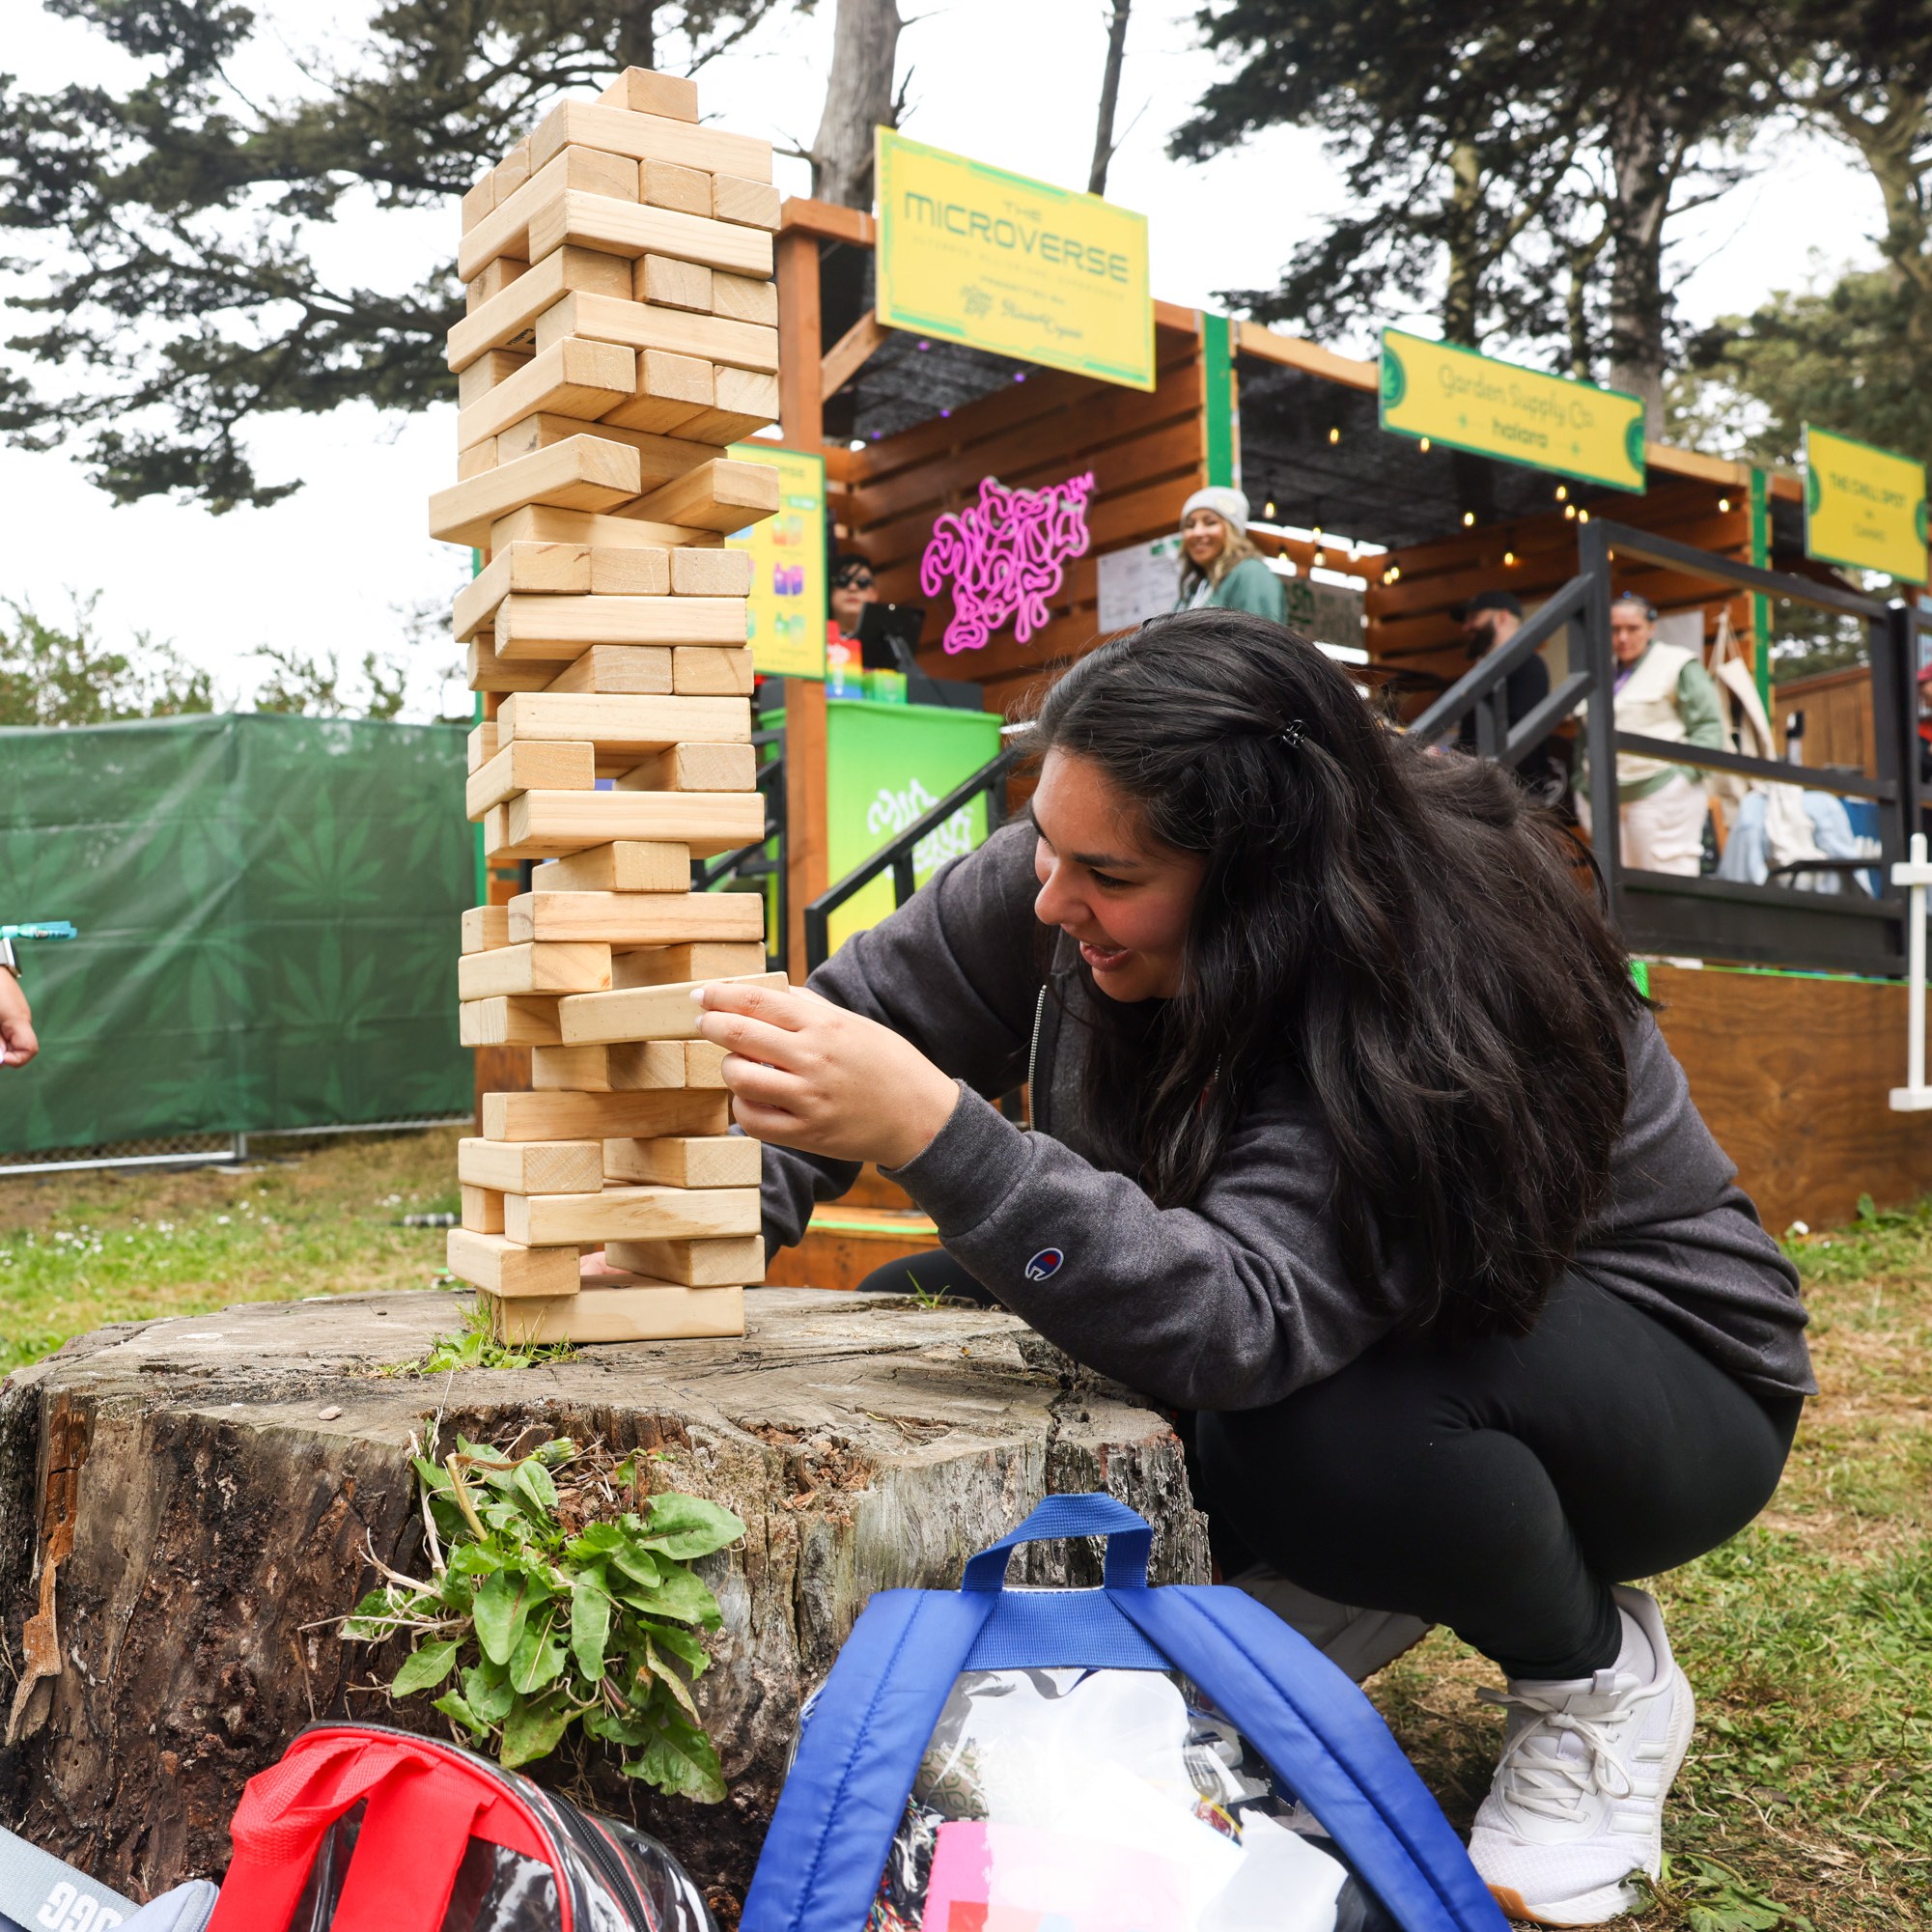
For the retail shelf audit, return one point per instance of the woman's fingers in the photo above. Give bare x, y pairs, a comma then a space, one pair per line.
776, 1006
754, 1039
771, 1086
767, 1123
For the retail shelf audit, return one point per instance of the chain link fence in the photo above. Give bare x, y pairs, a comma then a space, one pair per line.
202, 1150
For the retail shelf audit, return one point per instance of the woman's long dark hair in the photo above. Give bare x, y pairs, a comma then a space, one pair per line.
1409, 931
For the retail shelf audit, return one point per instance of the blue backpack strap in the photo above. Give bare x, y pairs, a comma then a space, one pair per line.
1327, 1741
1131, 1541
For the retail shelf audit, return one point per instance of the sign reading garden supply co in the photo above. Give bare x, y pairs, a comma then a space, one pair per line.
1469, 401
1863, 506
1012, 266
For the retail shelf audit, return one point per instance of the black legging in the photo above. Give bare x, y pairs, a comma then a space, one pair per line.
1498, 1486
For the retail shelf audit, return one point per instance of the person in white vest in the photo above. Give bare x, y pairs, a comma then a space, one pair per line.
1661, 692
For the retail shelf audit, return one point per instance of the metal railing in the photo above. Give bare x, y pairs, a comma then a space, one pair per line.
1718, 918
764, 857
897, 857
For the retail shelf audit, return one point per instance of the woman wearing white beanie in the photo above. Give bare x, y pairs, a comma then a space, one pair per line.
1222, 566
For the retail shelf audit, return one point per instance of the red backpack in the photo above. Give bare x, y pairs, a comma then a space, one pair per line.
364, 1828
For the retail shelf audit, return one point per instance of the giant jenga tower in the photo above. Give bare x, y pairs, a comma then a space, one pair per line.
621, 326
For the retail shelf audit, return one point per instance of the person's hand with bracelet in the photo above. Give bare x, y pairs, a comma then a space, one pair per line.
17, 1044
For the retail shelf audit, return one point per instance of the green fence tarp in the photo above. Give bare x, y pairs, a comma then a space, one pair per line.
269, 916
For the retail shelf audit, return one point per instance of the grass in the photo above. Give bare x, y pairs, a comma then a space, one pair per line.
1805, 1803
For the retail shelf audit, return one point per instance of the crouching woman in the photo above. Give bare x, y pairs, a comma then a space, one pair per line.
1352, 1135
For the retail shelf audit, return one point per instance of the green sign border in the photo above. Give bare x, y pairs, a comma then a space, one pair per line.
1384, 401
887, 139
1813, 488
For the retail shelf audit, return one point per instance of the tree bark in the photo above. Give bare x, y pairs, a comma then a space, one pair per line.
858, 97
637, 34
1109, 98
185, 1505
1461, 297
1643, 163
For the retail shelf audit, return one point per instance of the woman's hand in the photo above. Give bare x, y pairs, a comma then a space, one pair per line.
809, 1075
17, 1044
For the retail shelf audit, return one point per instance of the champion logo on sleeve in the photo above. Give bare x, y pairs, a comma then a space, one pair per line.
1045, 1265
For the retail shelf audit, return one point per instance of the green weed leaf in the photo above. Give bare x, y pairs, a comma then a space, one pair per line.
590, 1626
685, 1526
533, 1730
428, 1665
501, 1611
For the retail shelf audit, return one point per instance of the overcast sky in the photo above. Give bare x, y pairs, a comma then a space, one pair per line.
1012, 82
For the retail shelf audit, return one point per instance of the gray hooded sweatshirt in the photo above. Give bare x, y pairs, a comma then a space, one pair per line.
1240, 1298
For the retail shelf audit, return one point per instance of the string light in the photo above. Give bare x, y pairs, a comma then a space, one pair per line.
1723, 502
1562, 492
1268, 510
1570, 512
1320, 560
1582, 516
1468, 519
1425, 445
1509, 560
1392, 574
1334, 435
1316, 533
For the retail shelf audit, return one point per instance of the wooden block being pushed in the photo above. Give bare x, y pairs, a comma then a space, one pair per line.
630, 1214
542, 823
723, 494
643, 1012
636, 325
565, 379
613, 227
507, 1268
530, 1166
509, 1022
632, 670
636, 1066
485, 927
518, 971
650, 137
624, 724
687, 965
665, 1313
710, 670
482, 1209
685, 1160
640, 919
584, 473
530, 764
698, 1264
625, 865
647, 1115
695, 768
560, 627
642, 90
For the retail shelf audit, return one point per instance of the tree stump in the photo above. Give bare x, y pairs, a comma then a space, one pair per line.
185, 1504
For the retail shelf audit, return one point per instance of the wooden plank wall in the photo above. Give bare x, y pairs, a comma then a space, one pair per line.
1838, 727
1147, 453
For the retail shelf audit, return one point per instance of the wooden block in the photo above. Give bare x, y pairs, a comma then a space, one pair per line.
592, 173
603, 1116
630, 1214
529, 966
571, 1070
548, 824
642, 90
698, 1264
480, 746
702, 670
478, 201
487, 372
584, 473
596, 1316
703, 1063
710, 572
527, 765
491, 282
643, 1012
508, 1023
659, 457
632, 1066
550, 569
695, 767
755, 204
482, 1209
530, 1166
685, 1160
723, 494
558, 627
511, 314
624, 724
645, 572
672, 283
505, 1267
650, 137
640, 325
485, 927
486, 674
613, 226
747, 403
667, 185
476, 459
692, 961
565, 377
672, 391
743, 298
627, 865
640, 919
512, 171
637, 670
539, 523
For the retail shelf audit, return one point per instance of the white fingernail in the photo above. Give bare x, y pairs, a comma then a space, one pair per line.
698, 995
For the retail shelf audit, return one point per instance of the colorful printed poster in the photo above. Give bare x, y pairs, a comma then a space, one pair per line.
787, 615
1863, 506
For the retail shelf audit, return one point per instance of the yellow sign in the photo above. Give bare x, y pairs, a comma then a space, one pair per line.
1863, 506
1469, 401
786, 612
1012, 266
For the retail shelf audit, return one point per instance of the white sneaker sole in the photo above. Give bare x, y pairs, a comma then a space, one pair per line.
1609, 1901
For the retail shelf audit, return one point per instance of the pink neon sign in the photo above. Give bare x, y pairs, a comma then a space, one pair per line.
1005, 557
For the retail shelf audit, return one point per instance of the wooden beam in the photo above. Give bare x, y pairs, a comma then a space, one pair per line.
1293, 351
800, 406
807, 873
849, 353
827, 221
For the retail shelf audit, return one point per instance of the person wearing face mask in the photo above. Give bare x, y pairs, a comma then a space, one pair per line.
1354, 1142
1221, 568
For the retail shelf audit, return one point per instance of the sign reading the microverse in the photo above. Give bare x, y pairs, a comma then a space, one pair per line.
786, 611
1863, 506
1469, 401
1012, 266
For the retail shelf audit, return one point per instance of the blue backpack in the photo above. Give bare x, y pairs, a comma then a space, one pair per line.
860, 1749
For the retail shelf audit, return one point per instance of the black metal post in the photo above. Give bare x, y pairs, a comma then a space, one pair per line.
1886, 644
1593, 561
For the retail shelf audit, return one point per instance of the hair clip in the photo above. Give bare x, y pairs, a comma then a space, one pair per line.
1291, 733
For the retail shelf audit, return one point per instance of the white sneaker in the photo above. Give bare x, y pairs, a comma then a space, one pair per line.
1360, 1642
1578, 1801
